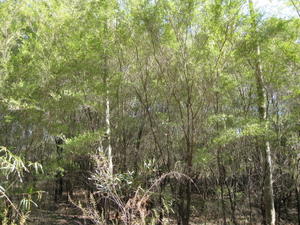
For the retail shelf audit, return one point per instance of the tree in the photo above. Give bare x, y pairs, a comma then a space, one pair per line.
262, 110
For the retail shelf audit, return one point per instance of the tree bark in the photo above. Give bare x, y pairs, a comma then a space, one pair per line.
262, 109
108, 133
298, 203
221, 183
107, 111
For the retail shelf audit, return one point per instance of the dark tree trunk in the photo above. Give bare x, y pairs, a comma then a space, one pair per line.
232, 197
221, 179
298, 203
58, 192
184, 203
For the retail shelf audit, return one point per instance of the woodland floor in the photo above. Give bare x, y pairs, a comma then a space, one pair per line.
64, 213
50, 212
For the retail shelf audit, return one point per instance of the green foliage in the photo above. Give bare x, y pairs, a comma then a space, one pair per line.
11, 164
180, 77
248, 130
83, 142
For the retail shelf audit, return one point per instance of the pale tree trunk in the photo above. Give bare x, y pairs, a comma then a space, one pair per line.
105, 74
106, 212
262, 108
108, 133
107, 104
107, 117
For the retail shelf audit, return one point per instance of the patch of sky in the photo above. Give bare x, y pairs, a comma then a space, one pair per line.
275, 8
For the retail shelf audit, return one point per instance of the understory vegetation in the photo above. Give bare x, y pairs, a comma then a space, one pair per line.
149, 112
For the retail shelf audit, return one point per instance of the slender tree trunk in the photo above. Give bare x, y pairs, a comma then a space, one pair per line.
232, 197
160, 203
106, 208
108, 133
188, 203
107, 111
268, 188
262, 108
249, 194
221, 169
298, 203
221, 183
137, 146
189, 157
297, 192
184, 195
